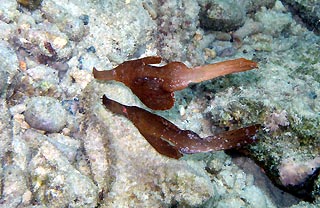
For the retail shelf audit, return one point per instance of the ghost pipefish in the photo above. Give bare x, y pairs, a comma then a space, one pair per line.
167, 139
155, 85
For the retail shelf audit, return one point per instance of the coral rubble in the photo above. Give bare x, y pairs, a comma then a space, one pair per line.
81, 155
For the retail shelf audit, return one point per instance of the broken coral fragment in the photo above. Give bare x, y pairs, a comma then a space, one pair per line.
173, 142
154, 85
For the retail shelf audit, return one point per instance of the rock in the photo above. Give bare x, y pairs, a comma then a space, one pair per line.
253, 5
8, 11
14, 186
30, 4
3, 82
75, 29
228, 15
295, 127
69, 24
45, 41
254, 197
8, 65
8, 61
232, 202
6, 30
68, 146
316, 190
308, 11
44, 75
223, 48
40, 80
222, 15
45, 113
274, 22
5, 127
56, 183
294, 173
180, 17
250, 27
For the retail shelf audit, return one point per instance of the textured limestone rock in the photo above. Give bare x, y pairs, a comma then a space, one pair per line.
56, 183
45, 113
15, 190
308, 11
8, 62
222, 15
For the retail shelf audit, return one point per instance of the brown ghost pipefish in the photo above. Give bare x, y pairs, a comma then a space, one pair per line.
154, 85
173, 142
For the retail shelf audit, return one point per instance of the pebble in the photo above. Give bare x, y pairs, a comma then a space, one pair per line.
222, 15
56, 183
85, 19
14, 185
254, 197
45, 113
75, 29
68, 146
91, 49
8, 60
210, 53
30, 4
44, 74
3, 83
222, 48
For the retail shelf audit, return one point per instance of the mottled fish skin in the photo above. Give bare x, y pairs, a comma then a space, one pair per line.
155, 85
173, 142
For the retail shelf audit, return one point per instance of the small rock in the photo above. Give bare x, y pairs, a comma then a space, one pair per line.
7, 30
45, 113
8, 59
9, 11
74, 27
222, 15
210, 53
91, 49
44, 74
222, 48
227, 177
231, 202
294, 173
14, 186
270, 21
3, 82
253, 5
5, 131
254, 197
56, 183
308, 11
30, 4
68, 146
85, 19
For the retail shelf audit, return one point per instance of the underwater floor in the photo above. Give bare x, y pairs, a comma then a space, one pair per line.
61, 145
